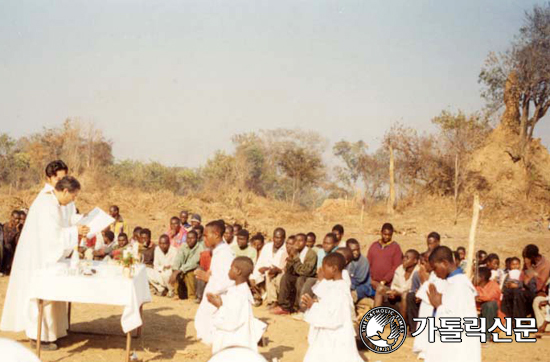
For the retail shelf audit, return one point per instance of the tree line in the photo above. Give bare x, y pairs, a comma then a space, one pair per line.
289, 164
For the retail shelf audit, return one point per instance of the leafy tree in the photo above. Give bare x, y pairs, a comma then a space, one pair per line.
521, 77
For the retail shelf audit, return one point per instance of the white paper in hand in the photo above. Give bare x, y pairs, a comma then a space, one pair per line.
96, 220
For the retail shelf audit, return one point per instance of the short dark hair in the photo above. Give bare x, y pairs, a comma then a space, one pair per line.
301, 235
218, 226
531, 251
175, 218
123, 235
244, 233
68, 183
434, 235
441, 253
146, 232
461, 248
414, 252
311, 234
280, 229
387, 226
15, 212
109, 235
346, 252
164, 236
335, 259
515, 258
138, 228
239, 226
352, 241
115, 207
491, 257
484, 273
332, 236
244, 264
479, 252
199, 227
192, 232
55, 166
258, 236
338, 228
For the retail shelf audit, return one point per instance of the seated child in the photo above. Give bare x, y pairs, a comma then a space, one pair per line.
242, 247
488, 297
401, 283
159, 275
233, 322
300, 265
330, 314
257, 242
100, 253
311, 239
185, 263
493, 262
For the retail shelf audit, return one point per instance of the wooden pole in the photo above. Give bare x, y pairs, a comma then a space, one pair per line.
391, 201
39, 332
128, 345
472, 238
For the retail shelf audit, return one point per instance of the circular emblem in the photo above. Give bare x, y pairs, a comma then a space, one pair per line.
383, 330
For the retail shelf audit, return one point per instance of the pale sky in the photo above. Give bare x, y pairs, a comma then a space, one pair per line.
172, 81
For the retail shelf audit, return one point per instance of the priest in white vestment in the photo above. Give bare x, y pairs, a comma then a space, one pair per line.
217, 278
44, 241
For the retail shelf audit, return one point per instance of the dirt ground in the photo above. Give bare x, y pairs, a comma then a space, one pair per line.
169, 333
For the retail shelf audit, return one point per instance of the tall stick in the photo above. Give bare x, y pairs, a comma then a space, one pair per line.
472, 239
391, 201
39, 331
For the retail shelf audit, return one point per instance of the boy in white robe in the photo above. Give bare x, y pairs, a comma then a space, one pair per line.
217, 278
234, 322
330, 316
458, 301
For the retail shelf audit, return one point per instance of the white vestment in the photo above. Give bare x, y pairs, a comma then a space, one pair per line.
159, 275
234, 322
15, 352
268, 258
331, 332
426, 310
458, 301
219, 282
44, 241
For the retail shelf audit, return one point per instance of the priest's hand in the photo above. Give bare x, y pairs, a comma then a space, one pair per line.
83, 230
214, 299
434, 296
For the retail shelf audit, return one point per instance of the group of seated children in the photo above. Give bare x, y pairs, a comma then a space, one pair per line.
293, 275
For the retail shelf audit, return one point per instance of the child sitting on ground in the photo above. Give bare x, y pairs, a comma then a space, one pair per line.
234, 324
493, 262
331, 332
